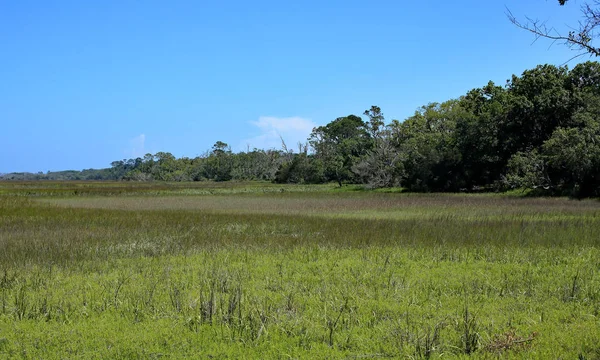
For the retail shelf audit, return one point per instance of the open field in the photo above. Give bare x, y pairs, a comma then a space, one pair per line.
256, 270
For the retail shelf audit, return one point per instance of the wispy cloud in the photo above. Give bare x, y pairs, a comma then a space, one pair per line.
137, 147
272, 129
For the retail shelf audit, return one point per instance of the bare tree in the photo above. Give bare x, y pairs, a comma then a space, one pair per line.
580, 38
284, 147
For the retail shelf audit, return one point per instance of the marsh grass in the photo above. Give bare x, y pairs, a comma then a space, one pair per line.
299, 273
120, 188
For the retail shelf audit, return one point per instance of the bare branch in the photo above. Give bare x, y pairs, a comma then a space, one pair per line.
573, 58
284, 146
578, 39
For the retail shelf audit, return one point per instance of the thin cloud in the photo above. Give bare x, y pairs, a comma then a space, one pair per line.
137, 147
272, 129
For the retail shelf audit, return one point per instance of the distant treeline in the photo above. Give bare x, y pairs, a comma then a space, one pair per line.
539, 131
87, 174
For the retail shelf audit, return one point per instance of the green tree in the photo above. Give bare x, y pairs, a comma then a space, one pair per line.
376, 123
302, 169
527, 170
426, 144
339, 145
219, 163
573, 158
540, 102
163, 166
479, 116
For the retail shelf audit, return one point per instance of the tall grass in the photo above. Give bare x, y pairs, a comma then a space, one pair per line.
270, 274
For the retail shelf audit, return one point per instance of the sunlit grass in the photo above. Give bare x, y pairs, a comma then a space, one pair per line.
300, 273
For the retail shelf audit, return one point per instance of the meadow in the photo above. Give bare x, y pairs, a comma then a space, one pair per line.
96, 270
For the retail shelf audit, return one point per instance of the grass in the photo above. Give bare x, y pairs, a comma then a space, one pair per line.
112, 188
254, 270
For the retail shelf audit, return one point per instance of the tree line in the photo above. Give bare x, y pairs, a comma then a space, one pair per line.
541, 131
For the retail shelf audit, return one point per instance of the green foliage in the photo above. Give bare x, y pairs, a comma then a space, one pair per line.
426, 144
573, 158
540, 131
541, 103
478, 137
302, 169
527, 171
339, 145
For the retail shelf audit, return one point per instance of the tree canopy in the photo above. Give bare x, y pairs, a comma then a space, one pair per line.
541, 131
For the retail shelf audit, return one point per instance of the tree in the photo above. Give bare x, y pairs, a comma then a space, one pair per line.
164, 165
540, 102
426, 144
573, 159
256, 164
540, 131
219, 163
376, 121
526, 170
339, 145
302, 169
479, 116
381, 166
580, 39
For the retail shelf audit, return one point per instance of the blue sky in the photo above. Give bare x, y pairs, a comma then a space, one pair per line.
84, 83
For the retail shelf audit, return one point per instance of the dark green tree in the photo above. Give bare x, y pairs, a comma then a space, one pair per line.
573, 159
302, 169
426, 144
480, 115
339, 145
219, 163
540, 102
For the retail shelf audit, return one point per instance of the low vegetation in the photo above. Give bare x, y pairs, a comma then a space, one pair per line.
257, 270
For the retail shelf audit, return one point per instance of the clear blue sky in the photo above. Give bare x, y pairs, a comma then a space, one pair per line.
83, 83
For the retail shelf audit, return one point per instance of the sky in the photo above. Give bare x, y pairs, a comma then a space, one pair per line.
84, 83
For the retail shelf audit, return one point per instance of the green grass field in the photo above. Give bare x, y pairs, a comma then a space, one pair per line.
256, 270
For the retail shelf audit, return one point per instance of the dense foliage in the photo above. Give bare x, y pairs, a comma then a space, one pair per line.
540, 131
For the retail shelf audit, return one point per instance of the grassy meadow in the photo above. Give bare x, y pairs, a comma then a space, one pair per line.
256, 270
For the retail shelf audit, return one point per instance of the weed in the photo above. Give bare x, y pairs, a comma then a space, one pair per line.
510, 341
21, 302
470, 335
333, 323
429, 342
